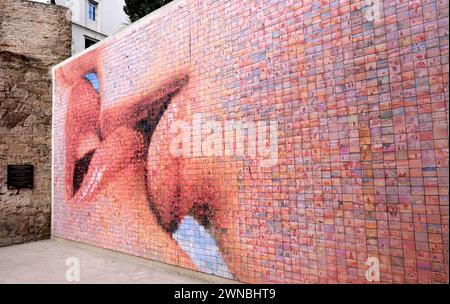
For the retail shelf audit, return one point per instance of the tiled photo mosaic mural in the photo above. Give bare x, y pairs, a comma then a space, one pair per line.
263, 141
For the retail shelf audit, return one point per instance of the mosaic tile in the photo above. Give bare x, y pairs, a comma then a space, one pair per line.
265, 141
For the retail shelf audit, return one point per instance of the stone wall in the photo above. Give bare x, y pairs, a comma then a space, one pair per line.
33, 37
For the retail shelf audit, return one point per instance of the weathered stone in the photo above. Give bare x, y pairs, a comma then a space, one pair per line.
12, 119
27, 53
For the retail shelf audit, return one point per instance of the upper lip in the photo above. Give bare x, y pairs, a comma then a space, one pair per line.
111, 125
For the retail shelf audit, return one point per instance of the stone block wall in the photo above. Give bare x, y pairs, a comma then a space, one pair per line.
33, 37
266, 141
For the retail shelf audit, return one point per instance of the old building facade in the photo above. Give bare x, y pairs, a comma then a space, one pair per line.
93, 20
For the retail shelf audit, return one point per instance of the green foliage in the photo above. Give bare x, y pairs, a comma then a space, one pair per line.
136, 9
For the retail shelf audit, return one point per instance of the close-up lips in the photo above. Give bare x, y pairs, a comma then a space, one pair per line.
93, 134
105, 143
109, 146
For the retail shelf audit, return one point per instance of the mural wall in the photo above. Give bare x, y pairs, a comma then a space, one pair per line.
264, 141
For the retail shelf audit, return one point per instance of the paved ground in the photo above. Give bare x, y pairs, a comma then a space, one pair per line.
45, 262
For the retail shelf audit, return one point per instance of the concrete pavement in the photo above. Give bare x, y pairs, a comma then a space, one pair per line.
45, 262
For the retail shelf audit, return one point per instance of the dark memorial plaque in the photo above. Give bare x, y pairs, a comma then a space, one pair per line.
20, 176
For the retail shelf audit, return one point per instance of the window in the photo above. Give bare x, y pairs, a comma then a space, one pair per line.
92, 10
88, 41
